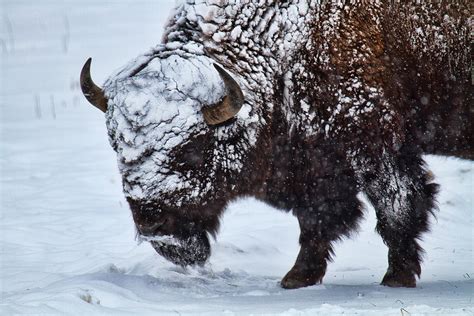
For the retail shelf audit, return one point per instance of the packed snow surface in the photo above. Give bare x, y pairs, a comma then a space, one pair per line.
67, 238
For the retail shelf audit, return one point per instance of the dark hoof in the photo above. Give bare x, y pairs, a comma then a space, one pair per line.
296, 279
399, 280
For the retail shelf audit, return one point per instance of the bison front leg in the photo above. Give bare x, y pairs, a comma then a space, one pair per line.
334, 214
310, 265
403, 197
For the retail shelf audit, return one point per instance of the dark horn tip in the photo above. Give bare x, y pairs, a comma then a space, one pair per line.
86, 68
218, 68
222, 72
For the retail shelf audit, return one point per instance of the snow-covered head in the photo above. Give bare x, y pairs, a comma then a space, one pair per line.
173, 119
160, 120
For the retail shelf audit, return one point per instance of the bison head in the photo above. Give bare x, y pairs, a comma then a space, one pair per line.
180, 126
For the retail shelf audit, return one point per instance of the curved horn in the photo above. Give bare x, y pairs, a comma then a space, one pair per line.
91, 91
230, 105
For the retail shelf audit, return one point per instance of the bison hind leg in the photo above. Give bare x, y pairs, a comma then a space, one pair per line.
403, 197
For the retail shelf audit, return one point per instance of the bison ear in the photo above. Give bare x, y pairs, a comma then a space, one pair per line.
230, 105
91, 91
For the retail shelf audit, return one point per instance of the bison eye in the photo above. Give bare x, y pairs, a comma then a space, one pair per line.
193, 157
192, 153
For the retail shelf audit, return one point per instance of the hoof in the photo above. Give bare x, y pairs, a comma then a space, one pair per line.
297, 279
399, 280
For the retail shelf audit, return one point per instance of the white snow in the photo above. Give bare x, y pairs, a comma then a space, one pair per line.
67, 238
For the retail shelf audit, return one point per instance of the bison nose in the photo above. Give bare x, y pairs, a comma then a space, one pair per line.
150, 230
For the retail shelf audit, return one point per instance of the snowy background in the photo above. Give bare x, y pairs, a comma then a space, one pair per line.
67, 238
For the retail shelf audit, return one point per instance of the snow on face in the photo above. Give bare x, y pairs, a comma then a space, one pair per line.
153, 109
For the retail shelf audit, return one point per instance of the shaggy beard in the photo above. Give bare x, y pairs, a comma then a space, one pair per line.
188, 251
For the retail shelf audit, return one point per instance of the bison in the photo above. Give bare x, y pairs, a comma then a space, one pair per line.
301, 104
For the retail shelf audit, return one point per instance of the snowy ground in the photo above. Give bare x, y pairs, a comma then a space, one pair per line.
66, 234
